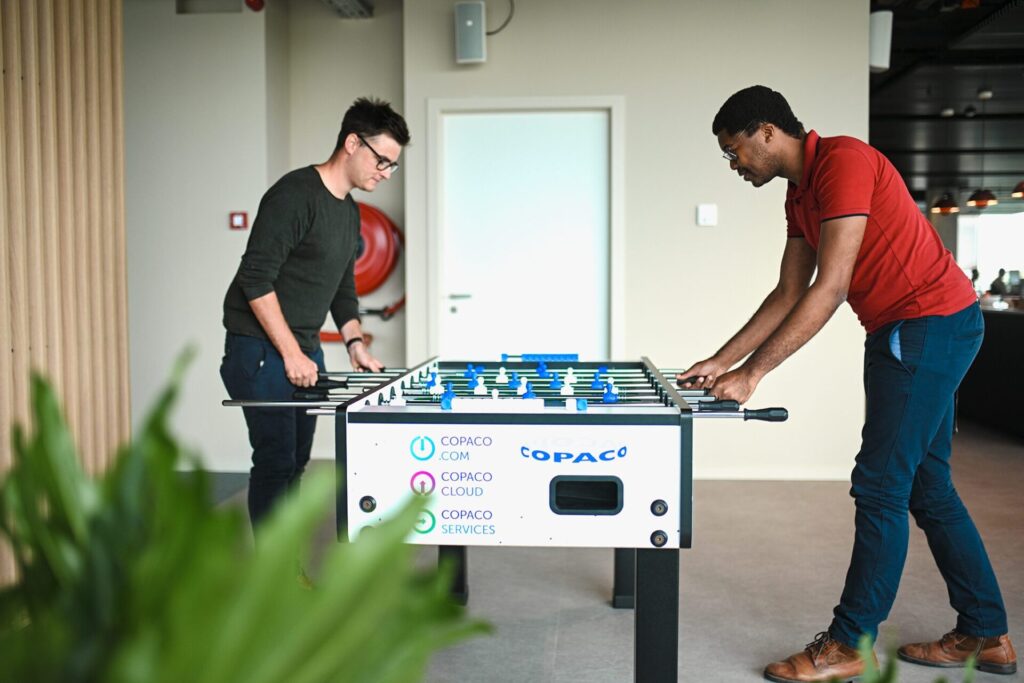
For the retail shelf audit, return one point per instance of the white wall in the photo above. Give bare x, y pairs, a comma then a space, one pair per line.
195, 149
688, 288
278, 99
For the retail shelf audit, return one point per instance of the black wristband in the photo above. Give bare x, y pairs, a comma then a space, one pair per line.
353, 340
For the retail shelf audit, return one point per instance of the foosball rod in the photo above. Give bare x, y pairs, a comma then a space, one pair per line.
595, 395
255, 403
491, 381
582, 392
463, 384
703, 403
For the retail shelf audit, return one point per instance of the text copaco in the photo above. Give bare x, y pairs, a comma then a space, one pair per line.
466, 476
467, 514
563, 456
466, 441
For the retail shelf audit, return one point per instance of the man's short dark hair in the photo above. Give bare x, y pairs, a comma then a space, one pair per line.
750, 107
368, 117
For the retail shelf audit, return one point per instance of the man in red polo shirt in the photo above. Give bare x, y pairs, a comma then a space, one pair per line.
850, 217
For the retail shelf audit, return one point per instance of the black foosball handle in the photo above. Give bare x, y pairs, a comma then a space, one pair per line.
767, 414
318, 392
731, 406
309, 395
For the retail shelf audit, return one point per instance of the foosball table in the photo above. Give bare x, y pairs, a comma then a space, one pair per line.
540, 450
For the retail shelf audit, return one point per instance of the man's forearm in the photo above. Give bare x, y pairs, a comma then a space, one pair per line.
769, 315
268, 312
351, 330
805, 320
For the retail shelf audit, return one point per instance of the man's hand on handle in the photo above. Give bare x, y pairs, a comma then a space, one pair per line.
702, 375
300, 370
362, 360
737, 385
714, 375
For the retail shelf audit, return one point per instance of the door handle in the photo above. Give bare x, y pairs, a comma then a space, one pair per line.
455, 297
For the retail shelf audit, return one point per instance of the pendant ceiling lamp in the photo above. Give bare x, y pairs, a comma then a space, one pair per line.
982, 197
1018, 191
945, 205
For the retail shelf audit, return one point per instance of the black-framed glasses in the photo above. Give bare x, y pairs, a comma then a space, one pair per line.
383, 163
728, 154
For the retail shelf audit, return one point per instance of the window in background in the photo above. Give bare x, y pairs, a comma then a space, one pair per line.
990, 242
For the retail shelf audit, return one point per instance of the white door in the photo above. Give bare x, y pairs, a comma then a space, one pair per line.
524, 234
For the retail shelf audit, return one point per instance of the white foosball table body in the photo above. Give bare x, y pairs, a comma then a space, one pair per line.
595, 479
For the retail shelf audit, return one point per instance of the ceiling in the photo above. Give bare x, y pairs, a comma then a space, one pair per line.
943, 53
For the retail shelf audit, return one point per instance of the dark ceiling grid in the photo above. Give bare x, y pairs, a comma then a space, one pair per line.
943, 53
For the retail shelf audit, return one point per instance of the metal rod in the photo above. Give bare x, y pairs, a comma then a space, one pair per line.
245, 403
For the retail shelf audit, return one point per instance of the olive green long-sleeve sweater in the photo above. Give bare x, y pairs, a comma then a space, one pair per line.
303, 246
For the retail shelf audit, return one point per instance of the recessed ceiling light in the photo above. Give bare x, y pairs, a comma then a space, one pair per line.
984, 93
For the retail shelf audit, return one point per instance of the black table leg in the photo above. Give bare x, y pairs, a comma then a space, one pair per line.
625, 577
460, 584
656, 633
340, 468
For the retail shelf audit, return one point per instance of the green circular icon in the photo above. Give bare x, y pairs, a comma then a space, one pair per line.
426, 523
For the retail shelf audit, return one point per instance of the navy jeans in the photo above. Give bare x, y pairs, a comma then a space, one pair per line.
281, 438
911, 370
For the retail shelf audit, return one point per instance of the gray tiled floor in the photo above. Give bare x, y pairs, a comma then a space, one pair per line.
765, 570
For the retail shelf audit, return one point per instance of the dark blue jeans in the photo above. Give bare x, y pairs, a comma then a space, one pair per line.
281, 438
911, 370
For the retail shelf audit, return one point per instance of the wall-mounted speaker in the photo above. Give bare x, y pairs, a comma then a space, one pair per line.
470, 33
880, 41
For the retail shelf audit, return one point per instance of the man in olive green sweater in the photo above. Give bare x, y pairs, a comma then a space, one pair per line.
298, 265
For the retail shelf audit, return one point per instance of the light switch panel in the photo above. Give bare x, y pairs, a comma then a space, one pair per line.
707, 214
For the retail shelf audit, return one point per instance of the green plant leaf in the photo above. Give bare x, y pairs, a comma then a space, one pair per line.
137, 578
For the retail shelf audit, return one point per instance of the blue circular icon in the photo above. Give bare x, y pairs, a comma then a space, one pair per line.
422, 448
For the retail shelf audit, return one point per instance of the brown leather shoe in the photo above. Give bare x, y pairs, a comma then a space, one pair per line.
992, 655
822, 660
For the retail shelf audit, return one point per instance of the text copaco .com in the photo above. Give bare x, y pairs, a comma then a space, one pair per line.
562, 456
466, 441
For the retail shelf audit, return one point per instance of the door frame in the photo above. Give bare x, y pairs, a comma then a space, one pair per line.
615, 106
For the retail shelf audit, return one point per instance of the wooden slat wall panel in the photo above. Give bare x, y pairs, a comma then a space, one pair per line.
115, 65
65, 215
6, 373
63, 308
89, 436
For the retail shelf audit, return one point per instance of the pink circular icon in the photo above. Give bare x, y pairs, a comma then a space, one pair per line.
422, 483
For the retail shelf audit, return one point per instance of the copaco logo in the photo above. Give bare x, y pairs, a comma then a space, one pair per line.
540, 455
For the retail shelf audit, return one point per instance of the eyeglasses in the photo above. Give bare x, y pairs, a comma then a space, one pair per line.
730, 155
383, 163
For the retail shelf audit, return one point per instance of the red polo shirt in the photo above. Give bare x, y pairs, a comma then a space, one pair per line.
902, 270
